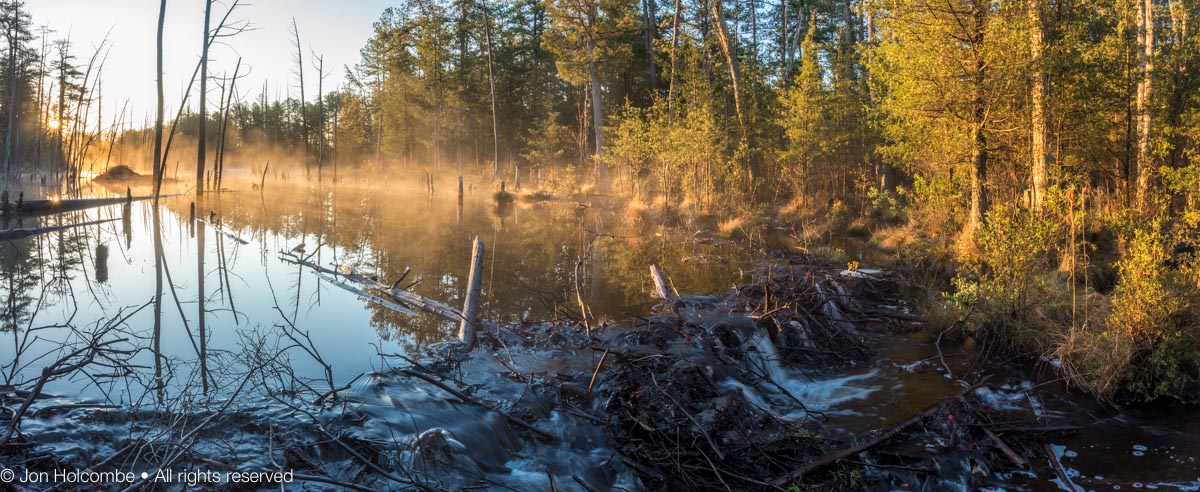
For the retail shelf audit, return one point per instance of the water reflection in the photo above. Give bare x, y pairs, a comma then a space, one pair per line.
101, 263
205, 291
21, 268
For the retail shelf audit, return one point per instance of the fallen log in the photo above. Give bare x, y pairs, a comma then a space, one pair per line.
365, 295
25, 232
59, 205
224, 231
830, 459
399, 296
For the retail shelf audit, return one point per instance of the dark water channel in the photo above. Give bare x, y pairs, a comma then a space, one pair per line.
225, 274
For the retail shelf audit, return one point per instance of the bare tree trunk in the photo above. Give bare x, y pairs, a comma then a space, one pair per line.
1145, 21
487, 30
12, 92
1037, 114
728, 49
979, 198
597, 106
650, 16
63, 46
320, 115
754, 31
335, 149
785, 46
226, 107
674, 47
41, 95
300, 73
202, 133
470, 321
158, 134
979, 151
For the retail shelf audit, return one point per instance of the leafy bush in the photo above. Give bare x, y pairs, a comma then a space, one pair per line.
1007, 278
1152, 307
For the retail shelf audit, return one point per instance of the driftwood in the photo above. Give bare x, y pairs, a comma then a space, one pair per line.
22, 233
883, 437
397, 296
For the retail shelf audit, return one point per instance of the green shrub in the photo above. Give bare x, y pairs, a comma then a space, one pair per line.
1008, 277
1153, 307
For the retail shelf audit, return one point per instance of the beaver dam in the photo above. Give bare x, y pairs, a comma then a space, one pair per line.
313, 337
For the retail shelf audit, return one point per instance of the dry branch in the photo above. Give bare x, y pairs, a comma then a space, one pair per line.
883, 437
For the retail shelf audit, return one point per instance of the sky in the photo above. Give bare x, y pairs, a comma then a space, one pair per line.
335, 29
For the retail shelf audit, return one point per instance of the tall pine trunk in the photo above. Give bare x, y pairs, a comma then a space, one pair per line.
1037, 113
487, 30
597, 106
727, 47
649, 14
978, 127
1145, 21
674, 47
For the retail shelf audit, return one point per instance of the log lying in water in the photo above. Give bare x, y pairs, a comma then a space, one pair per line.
886, 435
22, 233
61, 205
25, 207
399, 296
223, 230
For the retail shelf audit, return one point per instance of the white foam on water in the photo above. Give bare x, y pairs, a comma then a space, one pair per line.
828, 394
749, 393
1183, 486
765, 357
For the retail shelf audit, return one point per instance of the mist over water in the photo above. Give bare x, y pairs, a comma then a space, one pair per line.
380, 227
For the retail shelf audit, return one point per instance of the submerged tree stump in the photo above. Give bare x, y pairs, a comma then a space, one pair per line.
466, 329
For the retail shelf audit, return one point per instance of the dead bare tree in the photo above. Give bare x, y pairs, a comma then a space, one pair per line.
225, 29
228, 89
202, 137
158, 121
303, 101
320, 66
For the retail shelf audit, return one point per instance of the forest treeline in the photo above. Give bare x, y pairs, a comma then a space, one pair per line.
1034, 160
